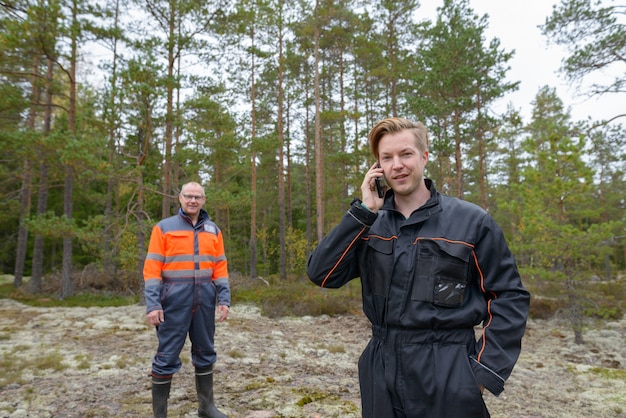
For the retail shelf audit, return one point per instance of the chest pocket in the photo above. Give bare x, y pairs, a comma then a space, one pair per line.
179, 243
441, 272
207, 243
379, 263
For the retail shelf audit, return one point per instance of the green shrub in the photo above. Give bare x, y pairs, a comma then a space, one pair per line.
545, 308
82, 299
277, 298
601, 299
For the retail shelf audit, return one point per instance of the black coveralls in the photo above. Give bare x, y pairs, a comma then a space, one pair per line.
427, 281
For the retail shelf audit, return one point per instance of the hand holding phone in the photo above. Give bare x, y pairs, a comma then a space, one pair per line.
379, 185
373, 194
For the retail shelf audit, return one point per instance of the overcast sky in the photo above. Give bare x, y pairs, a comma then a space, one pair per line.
535, 63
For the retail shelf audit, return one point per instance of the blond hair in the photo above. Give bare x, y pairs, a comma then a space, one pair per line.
394, 125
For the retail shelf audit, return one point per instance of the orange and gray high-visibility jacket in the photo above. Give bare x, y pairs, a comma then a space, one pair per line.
182, 252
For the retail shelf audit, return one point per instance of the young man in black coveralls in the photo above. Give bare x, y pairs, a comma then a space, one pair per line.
432, 267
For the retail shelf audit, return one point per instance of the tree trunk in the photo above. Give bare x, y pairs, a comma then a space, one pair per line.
42, 195
22, 233
145, 136
109, 264
458, 157
253, 174
482, 164
319, 152
25, 190
575, 311
169, 119
68, 191
67, 288
308, 180
281, 162
141, 236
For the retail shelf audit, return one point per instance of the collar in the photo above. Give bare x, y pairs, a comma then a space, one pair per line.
202, 216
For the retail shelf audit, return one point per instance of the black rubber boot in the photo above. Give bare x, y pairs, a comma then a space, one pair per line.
160, 394
204, 387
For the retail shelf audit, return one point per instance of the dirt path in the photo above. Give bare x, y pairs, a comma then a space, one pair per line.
93, 362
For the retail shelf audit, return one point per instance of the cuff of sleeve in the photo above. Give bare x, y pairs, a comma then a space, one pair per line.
362, 213
153, 308
487, 377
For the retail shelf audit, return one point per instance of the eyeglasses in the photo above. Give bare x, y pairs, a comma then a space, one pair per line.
189, 198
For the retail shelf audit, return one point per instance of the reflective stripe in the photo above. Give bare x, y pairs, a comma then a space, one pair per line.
155, 257
221, 280
175, 274
181, 258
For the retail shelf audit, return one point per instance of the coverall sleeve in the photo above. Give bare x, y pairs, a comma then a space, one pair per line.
507, 309
334, 262
220, 273
152, 268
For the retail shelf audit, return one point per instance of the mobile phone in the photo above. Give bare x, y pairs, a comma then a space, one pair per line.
379, 185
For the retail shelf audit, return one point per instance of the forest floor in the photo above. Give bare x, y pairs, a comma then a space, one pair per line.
94, 362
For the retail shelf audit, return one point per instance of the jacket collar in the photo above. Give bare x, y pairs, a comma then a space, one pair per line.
202, 217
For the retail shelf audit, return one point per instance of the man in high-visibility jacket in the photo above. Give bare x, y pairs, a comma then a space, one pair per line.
186, 276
